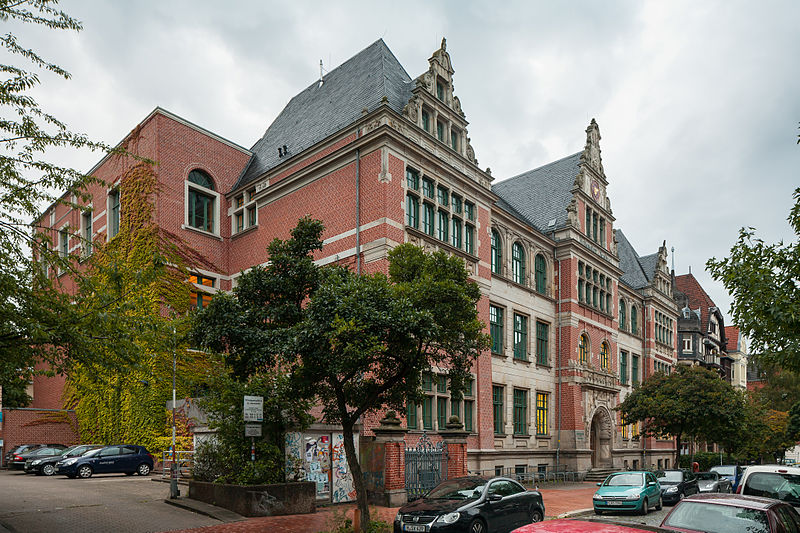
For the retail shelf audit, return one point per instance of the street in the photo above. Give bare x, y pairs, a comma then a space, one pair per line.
103, 503
653, 518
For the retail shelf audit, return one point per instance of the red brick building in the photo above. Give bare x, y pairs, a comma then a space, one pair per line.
576, 315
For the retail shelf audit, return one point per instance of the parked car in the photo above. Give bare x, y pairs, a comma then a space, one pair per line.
20, 449
47, 465
128, 458
713, 482
732, 513
772, 481
472, 504
18, 460
677, 484
628, 491
588, 525
732, 473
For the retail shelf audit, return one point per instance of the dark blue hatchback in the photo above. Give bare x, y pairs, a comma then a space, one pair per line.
127, 458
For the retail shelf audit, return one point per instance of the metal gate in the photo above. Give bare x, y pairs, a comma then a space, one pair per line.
426, 466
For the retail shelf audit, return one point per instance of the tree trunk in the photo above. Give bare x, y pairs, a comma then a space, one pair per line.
355, 471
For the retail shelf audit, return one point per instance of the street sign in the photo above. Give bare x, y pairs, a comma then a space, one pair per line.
253, 408
252, 430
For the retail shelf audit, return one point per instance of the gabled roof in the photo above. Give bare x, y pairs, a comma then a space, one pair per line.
732, 335
359, 83
637, 272
541, 195
696, 297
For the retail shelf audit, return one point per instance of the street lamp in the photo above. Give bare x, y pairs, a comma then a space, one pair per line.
173, 482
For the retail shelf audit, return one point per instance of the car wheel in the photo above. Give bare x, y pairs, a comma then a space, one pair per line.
645, 507
143, 470
85, 472
660, 504
681, 496
48, 470
477, 526
535, 515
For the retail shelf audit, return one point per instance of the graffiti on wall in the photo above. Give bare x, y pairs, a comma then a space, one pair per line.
318, 461
343, 490
295, 468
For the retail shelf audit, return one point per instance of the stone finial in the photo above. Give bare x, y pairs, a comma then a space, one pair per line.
591, 152
390, 420
454, 424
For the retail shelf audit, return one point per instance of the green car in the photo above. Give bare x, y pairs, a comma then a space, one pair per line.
628, 491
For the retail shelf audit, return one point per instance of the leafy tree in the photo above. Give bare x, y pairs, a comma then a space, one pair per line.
357, 343
692, 402
764, 280
15, 392
780, 389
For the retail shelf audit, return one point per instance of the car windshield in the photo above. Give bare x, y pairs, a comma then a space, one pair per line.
673, 476
777, 485
458, 489
724, 470
71, 449
624, 480
92, 452
715, 518
708, 476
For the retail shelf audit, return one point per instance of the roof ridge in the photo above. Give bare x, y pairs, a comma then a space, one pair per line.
538, 168
697, 283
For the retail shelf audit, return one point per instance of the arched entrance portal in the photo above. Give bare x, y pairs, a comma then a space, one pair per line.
600, 439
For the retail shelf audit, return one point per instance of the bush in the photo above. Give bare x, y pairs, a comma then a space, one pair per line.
217, 463
705, 459
340, 523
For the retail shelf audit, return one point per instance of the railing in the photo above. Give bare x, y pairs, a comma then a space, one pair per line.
545, 474
183, 458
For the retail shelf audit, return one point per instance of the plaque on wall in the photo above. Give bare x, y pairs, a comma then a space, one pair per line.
579, 435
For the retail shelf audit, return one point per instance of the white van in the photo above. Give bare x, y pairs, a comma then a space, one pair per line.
780, 482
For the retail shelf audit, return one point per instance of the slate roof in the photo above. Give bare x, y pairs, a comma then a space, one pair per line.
318, 112
637, 272
696, 296
542, 194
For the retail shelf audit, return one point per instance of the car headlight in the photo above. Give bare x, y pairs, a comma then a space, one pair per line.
633, 496
671, 490
597, 497
36, 462
449, 518
70, 461
398, 517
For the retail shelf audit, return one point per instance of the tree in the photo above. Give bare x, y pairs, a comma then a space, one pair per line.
357, 343
37, 322
764, 280
690, 402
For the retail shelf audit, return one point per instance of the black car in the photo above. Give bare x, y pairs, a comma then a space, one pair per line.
472, 504
20, 449
676, 484
18, 459
47, 465
126, 458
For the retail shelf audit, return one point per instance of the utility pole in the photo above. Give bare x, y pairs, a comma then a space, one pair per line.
173, 481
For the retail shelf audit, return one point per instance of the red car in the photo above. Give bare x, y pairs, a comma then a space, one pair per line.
573, 525
732, 513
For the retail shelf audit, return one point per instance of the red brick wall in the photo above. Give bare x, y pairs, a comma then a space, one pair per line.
38, 426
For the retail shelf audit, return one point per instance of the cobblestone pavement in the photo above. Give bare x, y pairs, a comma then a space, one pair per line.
105, 503
653, 518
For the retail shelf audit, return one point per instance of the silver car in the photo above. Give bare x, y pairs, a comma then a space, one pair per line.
713, 482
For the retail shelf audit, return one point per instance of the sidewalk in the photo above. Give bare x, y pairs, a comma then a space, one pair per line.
558, 500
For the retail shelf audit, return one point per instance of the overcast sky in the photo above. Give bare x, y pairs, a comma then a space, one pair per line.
698, 102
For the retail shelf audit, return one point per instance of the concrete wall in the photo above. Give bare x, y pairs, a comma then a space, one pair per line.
257, 500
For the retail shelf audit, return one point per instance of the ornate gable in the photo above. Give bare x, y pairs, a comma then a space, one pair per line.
591, 177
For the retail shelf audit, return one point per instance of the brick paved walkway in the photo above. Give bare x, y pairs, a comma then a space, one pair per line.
557, 501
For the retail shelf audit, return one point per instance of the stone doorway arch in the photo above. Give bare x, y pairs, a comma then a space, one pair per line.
601, 432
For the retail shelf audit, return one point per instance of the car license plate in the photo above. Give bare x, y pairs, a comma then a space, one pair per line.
614, 503
414, 527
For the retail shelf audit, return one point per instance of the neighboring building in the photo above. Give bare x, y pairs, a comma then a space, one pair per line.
737, 351
576, 316
701, 328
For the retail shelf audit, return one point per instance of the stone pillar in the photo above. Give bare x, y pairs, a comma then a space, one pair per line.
387, 458
456, 439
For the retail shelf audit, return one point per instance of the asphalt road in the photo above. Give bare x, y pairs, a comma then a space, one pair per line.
653, 518
103, 503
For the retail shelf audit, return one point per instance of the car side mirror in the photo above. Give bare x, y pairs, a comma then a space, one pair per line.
651, 483
494, 497
599, 484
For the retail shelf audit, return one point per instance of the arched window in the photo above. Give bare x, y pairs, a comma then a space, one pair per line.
622, 317
541, 274
583, 349
497, 252
518, 263
604, 356
202, 202
634, 320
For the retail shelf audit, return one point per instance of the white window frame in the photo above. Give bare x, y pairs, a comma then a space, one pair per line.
108, 213
189, 185
86, 240
687, 344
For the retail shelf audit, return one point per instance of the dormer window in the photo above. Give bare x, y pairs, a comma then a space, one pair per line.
440, 90
426, 120
440, 130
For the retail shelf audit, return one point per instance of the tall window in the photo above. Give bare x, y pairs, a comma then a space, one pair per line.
440, 131
202, 201
426, 120
520, 412
441, 412
635, 370
496, 328
456, 241
86, 233
427, 188
624, 427
583, 349
427, 412
518, 262
497, 409
412, 211
412, 179
113, 213
63, 243
540, 268
542, 423
594, 288
623, 367
604, 356
634, 320
469, 406
443, 223
427, 219
621, 314
542, 342
469, 239
411, 415
497, 252
520, 337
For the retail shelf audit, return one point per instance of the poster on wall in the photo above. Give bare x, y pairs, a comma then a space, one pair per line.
343, 489
318, 463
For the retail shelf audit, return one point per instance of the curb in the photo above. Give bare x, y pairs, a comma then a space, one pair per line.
576, 512
217, 513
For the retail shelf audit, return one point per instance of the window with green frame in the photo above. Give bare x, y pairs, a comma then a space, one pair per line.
428, 224
497, 409
497, 252
520, 337
441, 383
469, 239
441, 412
454, 140
456, 203
239, 222
426, 120
440, 90
442, 196
411, 415
542, 342
443, 225
623, 367
427, 187
469, 409
622, 323
518, 263
456, 237
427, 412
583, 349
634, 370
427, 381
412, 210
604, 356
542, 422
469, 210
520, 412
440, 131
113, 217
634, 320
201, 204
496, 328
540, 270
412, 179
455, 409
